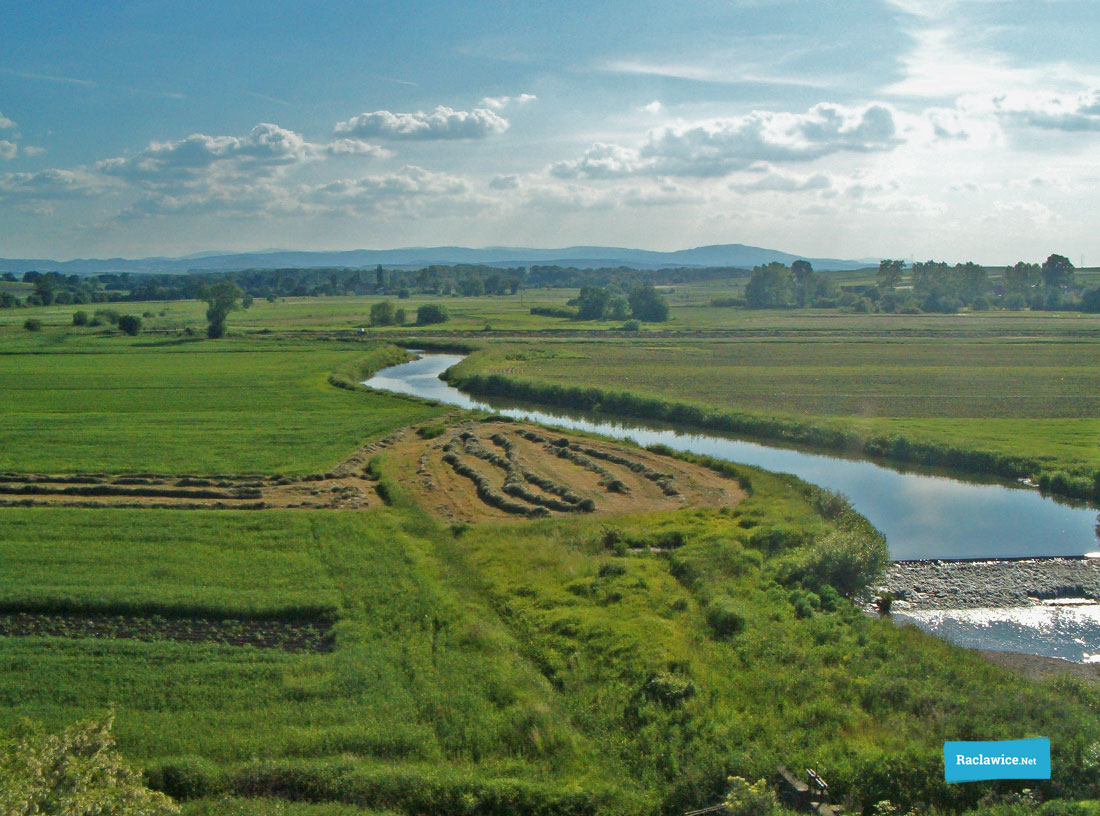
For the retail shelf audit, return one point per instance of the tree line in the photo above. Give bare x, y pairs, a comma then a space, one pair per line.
923, 286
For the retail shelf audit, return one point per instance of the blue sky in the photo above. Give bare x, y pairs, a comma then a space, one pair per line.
948, 129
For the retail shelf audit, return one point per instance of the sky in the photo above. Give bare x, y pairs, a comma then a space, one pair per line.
947, 129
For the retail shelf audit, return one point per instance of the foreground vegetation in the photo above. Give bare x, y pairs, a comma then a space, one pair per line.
527, 668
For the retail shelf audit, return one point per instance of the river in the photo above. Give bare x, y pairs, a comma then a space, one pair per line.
923, 515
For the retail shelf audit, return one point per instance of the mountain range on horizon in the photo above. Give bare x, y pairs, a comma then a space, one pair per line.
584, 257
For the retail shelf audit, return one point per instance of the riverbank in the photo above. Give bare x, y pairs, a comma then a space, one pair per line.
931, 585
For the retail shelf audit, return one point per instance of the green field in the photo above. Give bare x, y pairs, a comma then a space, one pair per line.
1017, 397
523, 665
551, 667
90, 403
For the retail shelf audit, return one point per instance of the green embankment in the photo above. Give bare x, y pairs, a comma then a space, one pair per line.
1000, 406
537, 668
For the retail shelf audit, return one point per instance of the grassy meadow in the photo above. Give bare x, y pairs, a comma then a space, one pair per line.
89, 402
1027, 404
552, 667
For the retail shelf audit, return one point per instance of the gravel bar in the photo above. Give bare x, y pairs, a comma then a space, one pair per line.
978, 584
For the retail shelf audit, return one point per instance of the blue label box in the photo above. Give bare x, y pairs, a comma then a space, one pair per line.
1008, 759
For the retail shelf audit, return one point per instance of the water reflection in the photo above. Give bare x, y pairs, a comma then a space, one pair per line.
1068, 632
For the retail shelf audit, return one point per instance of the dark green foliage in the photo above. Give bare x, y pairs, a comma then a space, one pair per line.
185, 778
32, 324
130, 324
632, 326
430, 314
725, 616
80, 318
551, 311
382, 314
221, 298
431, 431
647, 305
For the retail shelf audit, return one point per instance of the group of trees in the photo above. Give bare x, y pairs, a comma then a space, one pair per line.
777, 286
924, 286
934, 286
643, 302
386, 314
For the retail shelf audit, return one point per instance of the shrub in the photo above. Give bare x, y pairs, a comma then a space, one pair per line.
431, 431
32, 325
724, 617
130, 324
632, 326
431, 313
80, 318
185, 778
754, 799
382, 314
108, 316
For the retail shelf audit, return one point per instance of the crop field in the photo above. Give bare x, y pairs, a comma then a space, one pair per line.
1034, 398
494, 470
193, 407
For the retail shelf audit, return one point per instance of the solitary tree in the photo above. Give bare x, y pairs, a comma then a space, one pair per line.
1057, 272
431, 313
646, 304
382, 314
221, 298
130, 324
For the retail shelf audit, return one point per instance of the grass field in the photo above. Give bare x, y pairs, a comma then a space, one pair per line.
74, 402
558, 666
523, 668
1032, 398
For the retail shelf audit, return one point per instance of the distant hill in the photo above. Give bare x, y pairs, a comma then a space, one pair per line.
583, 257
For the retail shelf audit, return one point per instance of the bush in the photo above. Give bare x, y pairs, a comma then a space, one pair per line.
33, 325
632, 326
80, 318
108, 316
754, 799
130, 324
382, 314
724, 617
216, 329
185, 778
431, 313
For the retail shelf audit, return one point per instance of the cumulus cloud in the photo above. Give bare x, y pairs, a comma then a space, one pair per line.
5, 122
442, 123
409, 190
653, 107
498, 102
718, 147
266, 149
32, 150
356, 147
48, 185
7, 149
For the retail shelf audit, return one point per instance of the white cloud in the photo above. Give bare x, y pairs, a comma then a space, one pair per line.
653, 107
1066, 112
48, 185
498, 102
410, 190
508, 182
5, 122
7, 149
781, 182
265, 150
356, 147
442, 123
717, 147
33, 150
